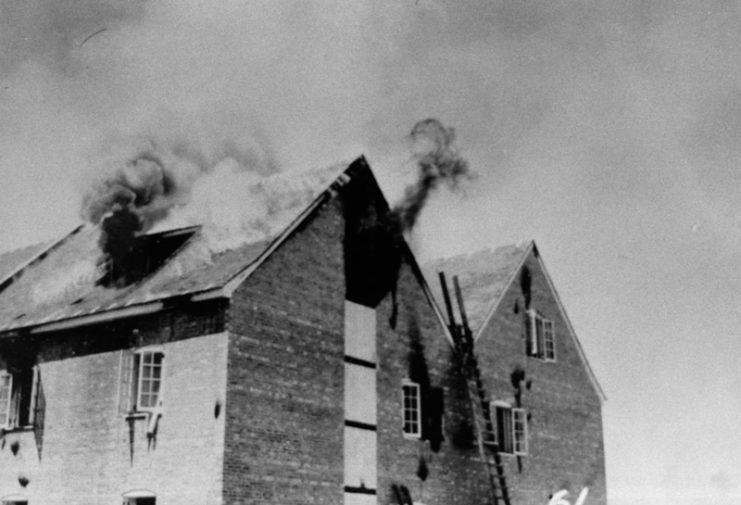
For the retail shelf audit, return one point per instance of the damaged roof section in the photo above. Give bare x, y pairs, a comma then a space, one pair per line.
13, 261
72, 278
483, 277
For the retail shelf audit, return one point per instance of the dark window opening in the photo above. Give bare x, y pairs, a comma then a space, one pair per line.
16, 397
511, 429
128, 263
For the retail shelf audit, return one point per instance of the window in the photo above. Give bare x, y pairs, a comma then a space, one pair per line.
141, 376
411, 409
17, 387
141, 501
511, 428
148, 380
540, 338
139, 497
14, 500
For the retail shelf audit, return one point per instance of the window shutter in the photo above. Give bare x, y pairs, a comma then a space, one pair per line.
126, 382
39, 411
530, 330
519, 428
493, 420
432, 412
550, 344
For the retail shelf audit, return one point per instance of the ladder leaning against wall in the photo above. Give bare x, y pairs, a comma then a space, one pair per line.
486, 439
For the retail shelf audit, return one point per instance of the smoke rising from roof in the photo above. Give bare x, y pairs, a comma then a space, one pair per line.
438, 161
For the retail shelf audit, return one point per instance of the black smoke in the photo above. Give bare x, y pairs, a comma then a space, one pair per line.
437, 161
141, 183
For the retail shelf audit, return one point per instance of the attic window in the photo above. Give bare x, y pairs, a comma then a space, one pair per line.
145, 255
540, 337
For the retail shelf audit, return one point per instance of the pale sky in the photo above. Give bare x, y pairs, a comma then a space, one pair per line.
608, 130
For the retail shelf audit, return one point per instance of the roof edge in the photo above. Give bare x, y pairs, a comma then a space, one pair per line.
579, 348
533, 248
525, 254
8, 279
232, 284
428, 292
98, 317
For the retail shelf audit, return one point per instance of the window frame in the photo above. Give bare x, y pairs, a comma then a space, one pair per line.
513, 441
138, 378
18, 388
409, 385
541, 342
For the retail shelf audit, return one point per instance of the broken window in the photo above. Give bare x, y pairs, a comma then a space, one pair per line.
540, 338
511, 428
411, 409
17, 392
140, 255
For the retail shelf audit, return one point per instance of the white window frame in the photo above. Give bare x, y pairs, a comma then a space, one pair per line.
408, 385
542, 343
138, 364
517, 434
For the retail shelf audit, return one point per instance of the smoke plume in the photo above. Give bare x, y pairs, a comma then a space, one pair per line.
438, 161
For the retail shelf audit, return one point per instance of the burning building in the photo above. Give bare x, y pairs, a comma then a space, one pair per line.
314, 365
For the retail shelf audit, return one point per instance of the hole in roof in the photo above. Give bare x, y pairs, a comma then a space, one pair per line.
19, 316
145, 255
79, 300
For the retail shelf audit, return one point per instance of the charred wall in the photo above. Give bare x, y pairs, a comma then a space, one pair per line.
564, 410
565, 438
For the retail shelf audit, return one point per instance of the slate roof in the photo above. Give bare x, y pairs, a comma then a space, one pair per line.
64, 282
483, 277
11, 261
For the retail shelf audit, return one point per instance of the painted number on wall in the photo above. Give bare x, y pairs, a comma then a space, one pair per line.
559, 498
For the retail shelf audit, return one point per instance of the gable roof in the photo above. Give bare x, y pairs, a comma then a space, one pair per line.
61, 284
484, 278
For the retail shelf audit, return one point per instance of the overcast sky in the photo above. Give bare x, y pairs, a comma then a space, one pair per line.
607, 130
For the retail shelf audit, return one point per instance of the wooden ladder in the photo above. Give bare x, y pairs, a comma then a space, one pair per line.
486, 439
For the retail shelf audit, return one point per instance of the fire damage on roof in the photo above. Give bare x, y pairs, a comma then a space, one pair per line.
113, 263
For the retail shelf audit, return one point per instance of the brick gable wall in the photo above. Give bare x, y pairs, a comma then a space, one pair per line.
565, 441
565, 423
285, 380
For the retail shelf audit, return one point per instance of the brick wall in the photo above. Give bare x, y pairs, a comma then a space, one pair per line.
87, 454
565, 442
285, 392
